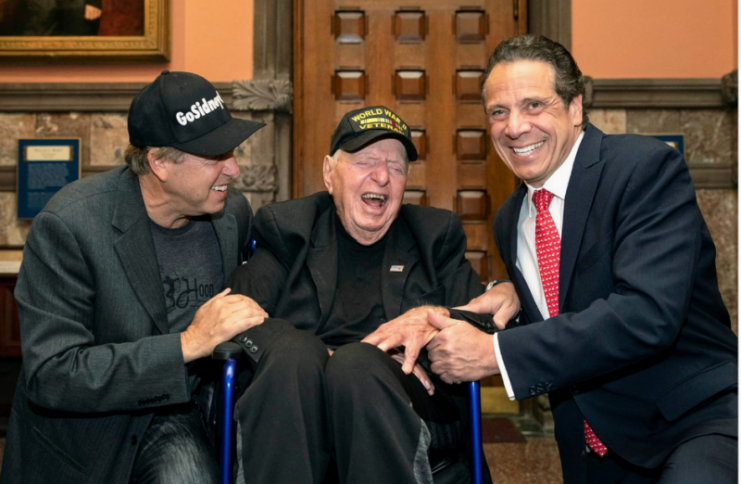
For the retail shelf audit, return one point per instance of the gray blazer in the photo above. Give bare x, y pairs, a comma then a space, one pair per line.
97, 353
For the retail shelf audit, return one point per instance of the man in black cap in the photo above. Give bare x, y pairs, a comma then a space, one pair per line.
120, 296
330, 269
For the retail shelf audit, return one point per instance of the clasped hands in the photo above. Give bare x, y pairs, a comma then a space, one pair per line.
458, 351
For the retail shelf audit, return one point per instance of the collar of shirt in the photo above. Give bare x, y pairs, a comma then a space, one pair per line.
558, 182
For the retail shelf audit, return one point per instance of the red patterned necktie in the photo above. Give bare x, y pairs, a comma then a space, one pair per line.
548, 246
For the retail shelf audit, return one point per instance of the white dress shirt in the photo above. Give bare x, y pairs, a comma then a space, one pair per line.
527, 255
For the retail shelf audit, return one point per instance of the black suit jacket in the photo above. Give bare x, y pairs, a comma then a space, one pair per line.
643, 340
293, 272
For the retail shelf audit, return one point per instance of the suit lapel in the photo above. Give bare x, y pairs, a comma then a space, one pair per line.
322, 261
225, 227
583, 183
135, 249
398, 260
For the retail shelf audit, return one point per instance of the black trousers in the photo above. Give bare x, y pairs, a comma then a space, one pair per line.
304, 409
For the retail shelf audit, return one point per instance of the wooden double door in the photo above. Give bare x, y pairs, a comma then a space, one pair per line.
425, 60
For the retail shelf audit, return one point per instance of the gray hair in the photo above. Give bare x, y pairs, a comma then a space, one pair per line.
136, 157
568, 79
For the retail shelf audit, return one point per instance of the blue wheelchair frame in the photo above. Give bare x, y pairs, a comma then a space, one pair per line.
231, 352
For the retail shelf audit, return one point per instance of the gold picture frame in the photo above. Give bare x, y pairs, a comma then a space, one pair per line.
152, 46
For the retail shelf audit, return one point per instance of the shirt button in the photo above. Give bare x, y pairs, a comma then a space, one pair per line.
248, 343
243, 339
253, 349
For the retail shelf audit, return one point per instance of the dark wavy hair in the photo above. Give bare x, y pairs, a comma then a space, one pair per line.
568, 78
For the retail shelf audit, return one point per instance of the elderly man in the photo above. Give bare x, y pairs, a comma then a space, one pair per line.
330, 269
622, 323
119, 295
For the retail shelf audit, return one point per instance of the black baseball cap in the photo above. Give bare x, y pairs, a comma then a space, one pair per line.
184, 111
361, 126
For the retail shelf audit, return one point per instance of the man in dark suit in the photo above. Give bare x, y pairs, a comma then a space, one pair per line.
622, 323
120, 294
330, 269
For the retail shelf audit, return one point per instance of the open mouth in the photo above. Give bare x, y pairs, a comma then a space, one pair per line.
374, 199
526, 150
219, 188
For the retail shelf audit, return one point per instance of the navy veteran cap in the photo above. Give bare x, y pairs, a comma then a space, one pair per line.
362, 126
184, 111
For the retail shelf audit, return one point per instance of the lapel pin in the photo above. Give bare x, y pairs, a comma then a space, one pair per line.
396, 269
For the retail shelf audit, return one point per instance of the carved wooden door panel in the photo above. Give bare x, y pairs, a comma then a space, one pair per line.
424, 60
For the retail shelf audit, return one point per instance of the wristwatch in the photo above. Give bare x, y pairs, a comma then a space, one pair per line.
495, 282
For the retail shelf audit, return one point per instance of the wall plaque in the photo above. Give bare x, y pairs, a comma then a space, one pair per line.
44, 166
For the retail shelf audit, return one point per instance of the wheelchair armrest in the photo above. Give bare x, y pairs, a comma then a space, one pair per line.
226, 350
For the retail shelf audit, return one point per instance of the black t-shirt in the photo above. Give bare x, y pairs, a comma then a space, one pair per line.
192, 273
191, 269
358, 305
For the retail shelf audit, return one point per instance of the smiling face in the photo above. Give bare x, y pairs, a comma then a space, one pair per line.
196, 185
368, 187
531, 128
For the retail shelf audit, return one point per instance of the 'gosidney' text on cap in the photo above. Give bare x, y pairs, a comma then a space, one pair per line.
200, 108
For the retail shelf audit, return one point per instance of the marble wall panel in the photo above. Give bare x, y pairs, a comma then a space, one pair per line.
66, 125
708, 135
13, 231
652, 121
109, 137
610, 121
14, 127
720, 209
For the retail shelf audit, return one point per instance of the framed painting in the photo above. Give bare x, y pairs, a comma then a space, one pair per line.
111, 31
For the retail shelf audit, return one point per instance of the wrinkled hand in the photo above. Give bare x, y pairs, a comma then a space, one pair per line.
220, 319
410, 330
418, 371
501, 301
92, 13
460, 352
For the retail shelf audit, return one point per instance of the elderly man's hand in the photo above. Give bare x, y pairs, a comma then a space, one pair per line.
410, 330
418, 371
460, 352
220, 319
501, 301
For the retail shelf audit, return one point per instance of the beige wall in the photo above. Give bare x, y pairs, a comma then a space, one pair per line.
610, 39
210, 37
655, 38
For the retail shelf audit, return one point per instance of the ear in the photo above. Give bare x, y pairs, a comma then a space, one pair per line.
576, 108
327, 172
158, 166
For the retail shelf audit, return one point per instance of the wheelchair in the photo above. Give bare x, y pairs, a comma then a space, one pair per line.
230, 353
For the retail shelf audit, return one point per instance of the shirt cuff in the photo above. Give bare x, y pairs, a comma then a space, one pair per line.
502, 368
